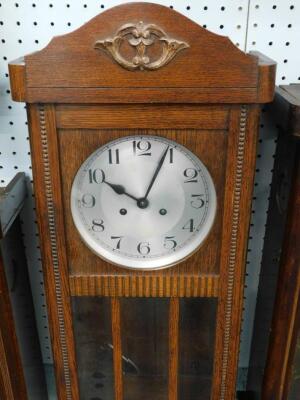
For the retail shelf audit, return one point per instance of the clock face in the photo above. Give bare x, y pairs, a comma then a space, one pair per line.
143, 202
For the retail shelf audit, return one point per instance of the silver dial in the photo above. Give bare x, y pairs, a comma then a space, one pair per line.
143, 202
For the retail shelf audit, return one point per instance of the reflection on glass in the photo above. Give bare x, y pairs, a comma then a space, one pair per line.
294, 392
92, 330
196, 347
144, 327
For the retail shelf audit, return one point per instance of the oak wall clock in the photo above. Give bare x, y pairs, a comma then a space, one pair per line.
143, 130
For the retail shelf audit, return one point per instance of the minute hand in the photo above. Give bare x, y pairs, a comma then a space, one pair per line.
161, 161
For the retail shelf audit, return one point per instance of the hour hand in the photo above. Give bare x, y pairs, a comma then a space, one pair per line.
119, 189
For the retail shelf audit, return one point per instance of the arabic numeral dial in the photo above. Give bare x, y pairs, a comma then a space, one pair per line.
143, 201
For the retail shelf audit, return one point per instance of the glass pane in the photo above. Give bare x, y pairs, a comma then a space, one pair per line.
196, 348
92, 330
145, 348
295, 384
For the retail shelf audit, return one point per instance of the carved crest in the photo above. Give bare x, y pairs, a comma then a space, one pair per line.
140, 36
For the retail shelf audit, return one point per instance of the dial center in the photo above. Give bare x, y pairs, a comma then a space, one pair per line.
142, 203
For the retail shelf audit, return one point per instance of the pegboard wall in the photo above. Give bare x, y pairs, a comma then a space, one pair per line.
270, 26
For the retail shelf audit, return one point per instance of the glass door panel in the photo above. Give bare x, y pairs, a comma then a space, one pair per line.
94, 349
196, 347
144, 324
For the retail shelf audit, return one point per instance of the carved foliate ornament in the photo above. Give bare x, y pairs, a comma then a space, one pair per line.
140, 36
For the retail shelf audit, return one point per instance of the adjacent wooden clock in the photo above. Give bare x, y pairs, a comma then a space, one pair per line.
283, 382
143, 130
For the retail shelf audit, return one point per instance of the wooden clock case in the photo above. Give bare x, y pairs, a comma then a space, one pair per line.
194, 87
283, 382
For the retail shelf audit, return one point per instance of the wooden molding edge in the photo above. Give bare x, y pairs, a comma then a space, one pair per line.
266, 77
144, 286
17, 79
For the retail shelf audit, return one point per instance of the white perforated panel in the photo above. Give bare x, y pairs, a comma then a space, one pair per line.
272, 27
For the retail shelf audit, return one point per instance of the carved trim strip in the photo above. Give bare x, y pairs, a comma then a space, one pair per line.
140, 36
145, 286
54, 252
233, 247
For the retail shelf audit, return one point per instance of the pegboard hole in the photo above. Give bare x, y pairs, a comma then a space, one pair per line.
292, 7
285, 61
205, 8
274, 7
272, 25
222, 8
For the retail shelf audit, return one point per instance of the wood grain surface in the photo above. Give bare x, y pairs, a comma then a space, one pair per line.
236, 217
66, 59
145, 285
46, 174
211, 70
